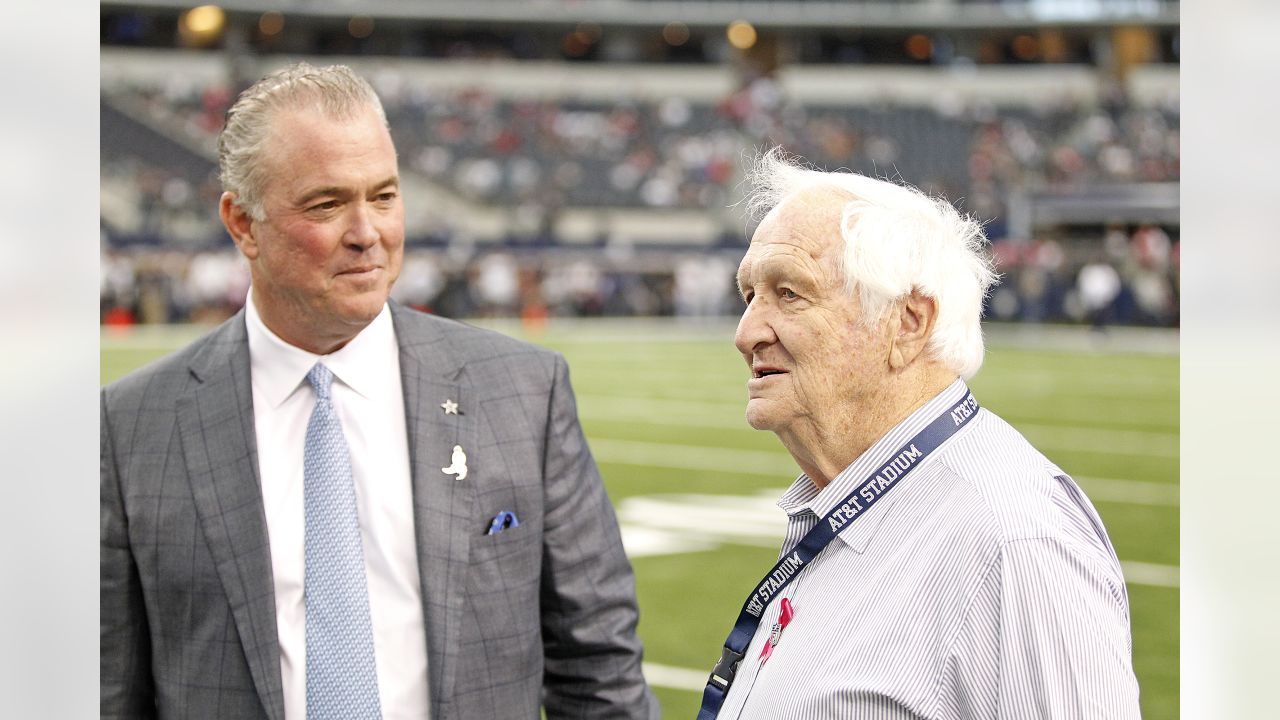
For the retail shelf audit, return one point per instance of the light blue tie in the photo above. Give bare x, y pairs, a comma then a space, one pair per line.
342, 683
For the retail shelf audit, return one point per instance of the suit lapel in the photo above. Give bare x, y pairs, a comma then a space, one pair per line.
442, 503
216, 425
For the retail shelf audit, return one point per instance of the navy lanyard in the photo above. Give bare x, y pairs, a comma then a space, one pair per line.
854, 506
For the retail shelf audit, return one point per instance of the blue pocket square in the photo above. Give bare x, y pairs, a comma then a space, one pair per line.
502, 521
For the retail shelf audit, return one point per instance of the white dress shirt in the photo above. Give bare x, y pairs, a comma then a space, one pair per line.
982, 586
369, 401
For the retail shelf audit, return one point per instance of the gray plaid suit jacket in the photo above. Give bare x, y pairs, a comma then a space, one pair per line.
543, 613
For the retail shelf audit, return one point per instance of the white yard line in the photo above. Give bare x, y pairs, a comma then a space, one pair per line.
1106, 441
675, 678
1131, 492
677, 523
780, 465
1140, 573
1042, 380
694, 457
719, 415
723, 414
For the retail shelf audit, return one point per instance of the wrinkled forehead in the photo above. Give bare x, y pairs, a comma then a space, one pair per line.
804, 226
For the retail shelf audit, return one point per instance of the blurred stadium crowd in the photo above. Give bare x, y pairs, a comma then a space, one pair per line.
166, 259
1132, 280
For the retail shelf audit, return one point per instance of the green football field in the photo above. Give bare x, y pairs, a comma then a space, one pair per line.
662, 406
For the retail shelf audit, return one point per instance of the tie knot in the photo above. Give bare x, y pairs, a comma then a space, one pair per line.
320, 378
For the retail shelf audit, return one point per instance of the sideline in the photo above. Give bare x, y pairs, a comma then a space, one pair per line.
1029, 336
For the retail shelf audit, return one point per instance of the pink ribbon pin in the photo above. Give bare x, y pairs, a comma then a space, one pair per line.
784, 618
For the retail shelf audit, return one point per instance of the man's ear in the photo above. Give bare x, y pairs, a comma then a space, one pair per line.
913, 319
238, 224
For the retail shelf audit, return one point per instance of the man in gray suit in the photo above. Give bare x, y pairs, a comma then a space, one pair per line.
335, 507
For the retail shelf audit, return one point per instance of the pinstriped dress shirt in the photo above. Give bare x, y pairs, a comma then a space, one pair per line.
982, 586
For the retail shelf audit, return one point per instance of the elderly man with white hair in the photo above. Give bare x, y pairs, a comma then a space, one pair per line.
935, 564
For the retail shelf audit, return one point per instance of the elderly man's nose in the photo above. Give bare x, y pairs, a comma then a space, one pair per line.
753, 330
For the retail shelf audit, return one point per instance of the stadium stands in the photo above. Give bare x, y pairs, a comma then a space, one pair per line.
633, 171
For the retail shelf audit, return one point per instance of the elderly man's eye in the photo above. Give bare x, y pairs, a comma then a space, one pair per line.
788, 294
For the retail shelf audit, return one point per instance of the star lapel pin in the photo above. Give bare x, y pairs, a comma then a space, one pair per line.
459, 464
450, 407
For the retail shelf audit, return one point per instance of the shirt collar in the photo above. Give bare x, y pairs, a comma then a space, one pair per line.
804, 496
278, 369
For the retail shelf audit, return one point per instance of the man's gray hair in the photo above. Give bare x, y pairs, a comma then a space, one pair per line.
897, 239
336, 91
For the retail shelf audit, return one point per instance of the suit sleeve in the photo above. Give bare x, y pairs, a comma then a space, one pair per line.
589, 613
125, 683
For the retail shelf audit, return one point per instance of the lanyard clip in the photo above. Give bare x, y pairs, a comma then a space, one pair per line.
722, 674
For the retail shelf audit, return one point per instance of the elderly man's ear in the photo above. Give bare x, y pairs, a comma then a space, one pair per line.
912, 322
239, 225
